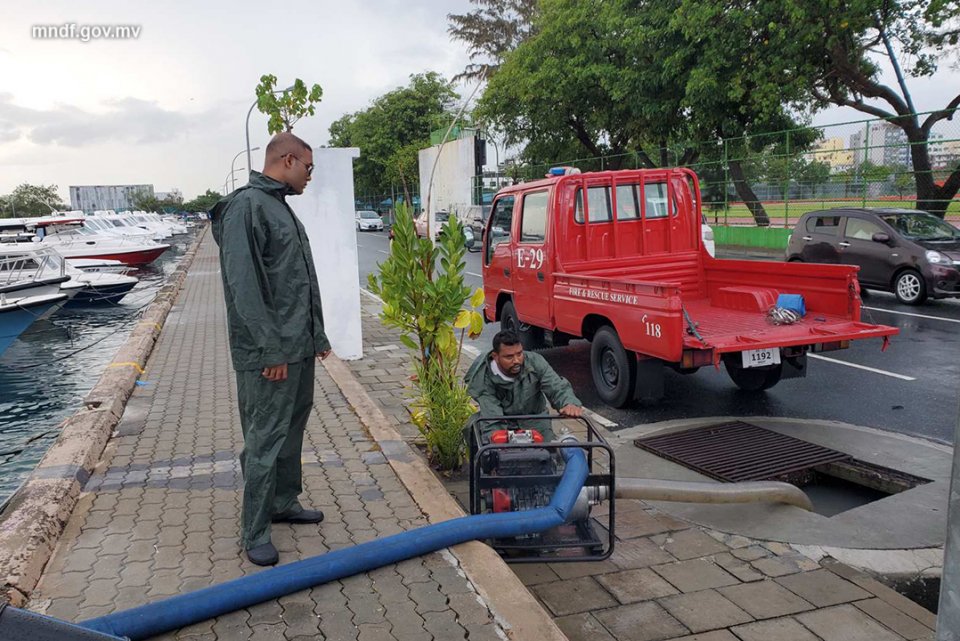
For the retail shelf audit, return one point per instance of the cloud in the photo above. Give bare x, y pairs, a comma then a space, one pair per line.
127, 120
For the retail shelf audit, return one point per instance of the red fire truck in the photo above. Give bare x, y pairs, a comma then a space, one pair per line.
617, 258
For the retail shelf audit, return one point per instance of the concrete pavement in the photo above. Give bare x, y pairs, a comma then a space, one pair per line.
160, 516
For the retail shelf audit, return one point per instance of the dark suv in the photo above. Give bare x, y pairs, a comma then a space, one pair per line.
905, 251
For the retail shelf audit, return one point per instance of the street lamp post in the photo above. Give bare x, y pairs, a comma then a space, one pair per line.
250, 111
229, 177
233, 178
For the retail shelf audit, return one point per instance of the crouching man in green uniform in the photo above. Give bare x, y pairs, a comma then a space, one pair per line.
275, 324
508, 382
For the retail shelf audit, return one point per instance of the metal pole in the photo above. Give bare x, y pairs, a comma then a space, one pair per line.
233, 177
866, 156
786, 188
948, 617
250, 111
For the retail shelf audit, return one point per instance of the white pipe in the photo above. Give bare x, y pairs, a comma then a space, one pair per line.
691, 492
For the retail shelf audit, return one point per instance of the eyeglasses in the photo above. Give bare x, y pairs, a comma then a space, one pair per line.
308, 167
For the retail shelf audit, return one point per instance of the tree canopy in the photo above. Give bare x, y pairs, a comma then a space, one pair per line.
391, 130
284, 108
31, 200
203, 202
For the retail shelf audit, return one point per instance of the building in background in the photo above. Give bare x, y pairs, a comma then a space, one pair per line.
832, 152
174, 195
91, 198
882, 144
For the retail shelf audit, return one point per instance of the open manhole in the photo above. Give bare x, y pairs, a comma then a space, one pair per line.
735, 451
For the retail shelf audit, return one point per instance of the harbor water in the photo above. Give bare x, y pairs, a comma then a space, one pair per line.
47, 371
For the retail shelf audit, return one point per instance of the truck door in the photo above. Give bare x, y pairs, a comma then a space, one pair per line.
532, 265
497, 258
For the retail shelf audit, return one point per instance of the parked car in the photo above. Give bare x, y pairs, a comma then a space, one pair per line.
706, 233
908, 252
369, 221
440, 219
476, 220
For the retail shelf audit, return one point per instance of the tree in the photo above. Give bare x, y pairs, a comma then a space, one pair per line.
203, 202
491, 31
287, 107
817, 53
145, 201
902, 180
658, 82
392, 129
814, 173
31, 200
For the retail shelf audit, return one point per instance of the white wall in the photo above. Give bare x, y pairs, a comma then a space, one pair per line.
453, 178
326, 210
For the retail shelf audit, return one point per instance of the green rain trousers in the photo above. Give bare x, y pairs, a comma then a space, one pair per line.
272, 416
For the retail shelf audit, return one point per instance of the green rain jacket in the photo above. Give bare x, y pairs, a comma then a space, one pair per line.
274, 314
528, 393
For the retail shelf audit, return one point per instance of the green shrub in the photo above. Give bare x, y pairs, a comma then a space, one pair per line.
423, 292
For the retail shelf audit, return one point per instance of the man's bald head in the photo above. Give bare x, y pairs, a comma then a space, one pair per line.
289, 160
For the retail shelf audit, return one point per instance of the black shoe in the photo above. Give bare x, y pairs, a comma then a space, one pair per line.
303, 516
264, 554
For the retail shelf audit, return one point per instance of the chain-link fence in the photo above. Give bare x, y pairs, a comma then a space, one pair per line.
780, 175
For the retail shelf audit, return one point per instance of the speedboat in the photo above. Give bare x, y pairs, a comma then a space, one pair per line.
81, 288
18, 313
29, 272
72, 240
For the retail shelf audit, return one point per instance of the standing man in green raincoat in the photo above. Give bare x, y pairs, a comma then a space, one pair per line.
508, 382
275, 324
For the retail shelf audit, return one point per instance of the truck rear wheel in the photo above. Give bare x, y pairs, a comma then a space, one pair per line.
614, 368
530, 337
752, 379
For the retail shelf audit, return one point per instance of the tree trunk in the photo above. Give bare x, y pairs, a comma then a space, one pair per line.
746, 194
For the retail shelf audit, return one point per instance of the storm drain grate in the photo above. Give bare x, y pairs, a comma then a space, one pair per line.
738, 451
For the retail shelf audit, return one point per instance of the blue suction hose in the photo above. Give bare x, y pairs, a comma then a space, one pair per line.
186, 609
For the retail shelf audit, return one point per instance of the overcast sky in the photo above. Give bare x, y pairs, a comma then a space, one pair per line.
168, 107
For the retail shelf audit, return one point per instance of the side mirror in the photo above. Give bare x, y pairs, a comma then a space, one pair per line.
881, 237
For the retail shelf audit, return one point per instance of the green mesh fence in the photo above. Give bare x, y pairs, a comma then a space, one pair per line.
865, 163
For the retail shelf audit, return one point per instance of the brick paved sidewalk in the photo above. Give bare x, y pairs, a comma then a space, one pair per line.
160, 515
668, 579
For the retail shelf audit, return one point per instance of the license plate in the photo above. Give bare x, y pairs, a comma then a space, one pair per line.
761, 357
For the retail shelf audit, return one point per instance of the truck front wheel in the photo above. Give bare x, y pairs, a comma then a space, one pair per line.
614, 368
530, 337
752, 379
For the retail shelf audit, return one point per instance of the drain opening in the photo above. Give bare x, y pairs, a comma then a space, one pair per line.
737, 451
843, 485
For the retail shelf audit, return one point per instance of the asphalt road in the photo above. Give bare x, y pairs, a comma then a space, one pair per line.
912, 388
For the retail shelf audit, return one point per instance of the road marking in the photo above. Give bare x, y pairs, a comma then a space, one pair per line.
472, 274
890, 311
383, 251
597, 418
371, 295
863, 367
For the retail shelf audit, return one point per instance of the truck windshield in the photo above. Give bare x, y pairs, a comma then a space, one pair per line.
600, 205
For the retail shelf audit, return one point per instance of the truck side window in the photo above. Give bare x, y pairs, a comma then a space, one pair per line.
656, 196
627, 208
500, 225
533, 225
598, 200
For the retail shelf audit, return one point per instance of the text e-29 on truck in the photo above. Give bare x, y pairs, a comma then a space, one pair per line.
616, 257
